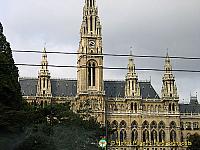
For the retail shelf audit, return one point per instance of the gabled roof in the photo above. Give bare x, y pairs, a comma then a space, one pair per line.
65, 87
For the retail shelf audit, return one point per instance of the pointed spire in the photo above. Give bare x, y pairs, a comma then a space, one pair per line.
132, 88
44, 83
167, 59
131, 65
168, 66
169, 88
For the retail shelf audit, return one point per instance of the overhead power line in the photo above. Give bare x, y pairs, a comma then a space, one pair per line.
106, 68
108, 54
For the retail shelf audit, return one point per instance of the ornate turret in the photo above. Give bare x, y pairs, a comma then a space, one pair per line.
169, 89
44, 83
132, 88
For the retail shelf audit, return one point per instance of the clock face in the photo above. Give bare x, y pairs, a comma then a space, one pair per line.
92, 43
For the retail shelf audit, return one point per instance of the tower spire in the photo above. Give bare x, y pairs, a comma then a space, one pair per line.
44, 84
90, 63
132, 88
169, 88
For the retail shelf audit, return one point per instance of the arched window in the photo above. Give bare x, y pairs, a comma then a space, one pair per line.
93, 73
122, 124
91, 3
145, 136
91, 23
145, 124
114, 136
172, 136
159, 108
153, 125
173, 107
162, 136
153, 136
170, 107
161, 125
43, 82
132, 106
122, 135
172, 125
89, 74
114, 124
144, 108
134, 137
134, 124
135, 107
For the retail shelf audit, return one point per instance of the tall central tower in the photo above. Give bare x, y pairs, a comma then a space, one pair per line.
90, 61
90, 87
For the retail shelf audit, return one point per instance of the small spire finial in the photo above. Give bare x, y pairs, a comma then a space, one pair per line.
44, 50
131, 50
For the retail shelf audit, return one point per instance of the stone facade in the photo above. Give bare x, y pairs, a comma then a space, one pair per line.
136, 117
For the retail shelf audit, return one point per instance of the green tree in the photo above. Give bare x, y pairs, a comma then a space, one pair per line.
195, 140
10, 91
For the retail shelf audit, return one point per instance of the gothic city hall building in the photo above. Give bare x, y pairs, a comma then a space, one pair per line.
138, 117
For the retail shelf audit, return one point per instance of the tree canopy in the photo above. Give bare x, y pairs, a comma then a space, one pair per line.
10, 91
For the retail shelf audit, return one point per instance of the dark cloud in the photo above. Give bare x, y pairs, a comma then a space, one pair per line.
149, 26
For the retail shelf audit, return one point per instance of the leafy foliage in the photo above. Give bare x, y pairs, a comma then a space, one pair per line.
195, 140
10, 92
56, 127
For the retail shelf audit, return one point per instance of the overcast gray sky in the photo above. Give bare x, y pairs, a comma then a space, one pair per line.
150, 26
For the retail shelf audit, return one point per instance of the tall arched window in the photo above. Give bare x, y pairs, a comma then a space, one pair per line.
134, 137
145, 136
132, 106
162, 136
91, 23
114, 136
135, 107
89, 74
153, 136
173, 107
43, 82
122, 135
170, 107
172, 136
114, 126
91, 3
93, 73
